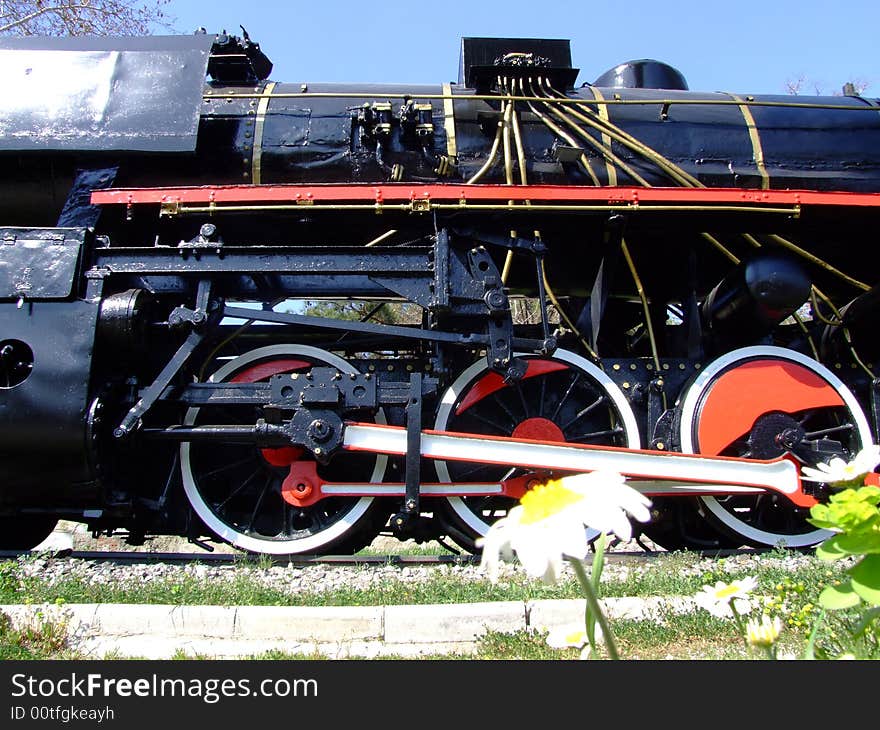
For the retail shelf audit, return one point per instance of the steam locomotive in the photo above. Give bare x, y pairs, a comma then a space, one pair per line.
291, 316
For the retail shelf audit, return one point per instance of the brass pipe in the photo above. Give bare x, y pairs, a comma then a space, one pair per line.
381, 238
644, 299
565, 318
490, 160
596, 144
605, 126
814, 292
514, 208
819, 262
494, 97
717, 244
558, 131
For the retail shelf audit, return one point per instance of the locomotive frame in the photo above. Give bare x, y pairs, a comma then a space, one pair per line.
694, 323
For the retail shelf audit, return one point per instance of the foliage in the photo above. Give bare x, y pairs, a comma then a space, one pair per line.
363, 311
43, 638
795, 603
82, 17
853, 603
854, 516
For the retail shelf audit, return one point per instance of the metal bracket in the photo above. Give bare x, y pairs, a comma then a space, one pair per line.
403, 520
656, 389
499, 326
413, 445
550, 343
154, 391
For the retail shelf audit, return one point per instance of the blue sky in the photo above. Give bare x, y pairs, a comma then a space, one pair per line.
746, 46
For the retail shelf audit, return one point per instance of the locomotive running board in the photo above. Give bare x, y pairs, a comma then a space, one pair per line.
779, 475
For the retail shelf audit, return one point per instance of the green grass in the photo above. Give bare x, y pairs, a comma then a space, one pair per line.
675, 574
44, 639
408, 548
792, 591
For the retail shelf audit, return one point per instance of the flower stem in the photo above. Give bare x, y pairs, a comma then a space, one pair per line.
739, 624
593, 603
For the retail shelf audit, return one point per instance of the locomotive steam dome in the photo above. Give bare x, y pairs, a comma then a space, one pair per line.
645, 73
292, 315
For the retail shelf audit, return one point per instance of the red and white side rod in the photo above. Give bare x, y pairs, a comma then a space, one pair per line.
652, 472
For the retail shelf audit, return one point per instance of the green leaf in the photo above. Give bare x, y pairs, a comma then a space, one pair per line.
830, 550
598, 561
858, 543
819, 516
867, 619
851, 509
835, 598
810, 648
866, 579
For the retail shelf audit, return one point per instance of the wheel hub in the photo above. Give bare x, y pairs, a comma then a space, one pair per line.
538, 429
774, 434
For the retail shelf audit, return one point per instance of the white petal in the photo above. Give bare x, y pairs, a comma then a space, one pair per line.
608, 517
553, 571
532, 552
539, 547
621, 526
809, 474
634, 502
742, 605
571, 539
588, 483
495, 544
866, 459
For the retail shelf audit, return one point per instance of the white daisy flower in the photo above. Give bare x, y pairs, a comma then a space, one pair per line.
568, 636
717, 599
840, 472
550, 521
764, 632
573, 636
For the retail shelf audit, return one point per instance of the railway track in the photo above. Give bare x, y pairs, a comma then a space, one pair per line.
122, 557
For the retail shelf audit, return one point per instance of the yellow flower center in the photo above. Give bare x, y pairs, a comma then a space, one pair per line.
727, 591
575, 637
547, 500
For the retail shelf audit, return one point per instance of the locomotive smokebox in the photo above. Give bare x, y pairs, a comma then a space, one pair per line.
753, 298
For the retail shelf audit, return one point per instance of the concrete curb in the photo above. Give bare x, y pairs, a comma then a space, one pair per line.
225, 632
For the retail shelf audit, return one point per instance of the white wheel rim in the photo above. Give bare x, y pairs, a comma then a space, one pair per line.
248, 542
469, 375
688, 414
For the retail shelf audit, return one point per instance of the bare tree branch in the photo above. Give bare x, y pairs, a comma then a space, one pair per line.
795, 86
82, 17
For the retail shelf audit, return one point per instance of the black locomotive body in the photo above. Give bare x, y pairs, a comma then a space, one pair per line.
548, 278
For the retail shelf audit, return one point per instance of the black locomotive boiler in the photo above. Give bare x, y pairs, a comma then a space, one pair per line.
546, 277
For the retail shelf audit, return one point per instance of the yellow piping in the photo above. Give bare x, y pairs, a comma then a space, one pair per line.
568, 138
757, 149
449, 122
257, 157
643, 297
575, 102
606, 139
